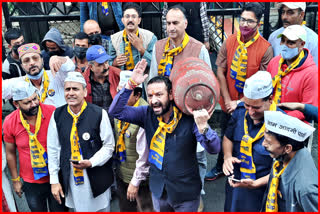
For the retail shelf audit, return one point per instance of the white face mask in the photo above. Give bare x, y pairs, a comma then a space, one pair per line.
288, 53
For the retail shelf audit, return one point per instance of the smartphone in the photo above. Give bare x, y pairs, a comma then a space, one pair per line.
74, 161
234, 180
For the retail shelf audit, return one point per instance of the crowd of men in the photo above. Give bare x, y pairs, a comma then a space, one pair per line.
101, 114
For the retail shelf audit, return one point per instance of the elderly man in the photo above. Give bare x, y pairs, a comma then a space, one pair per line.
26, 129
172, 138
294, 71
54, 45
292, 13
80, 147
245, 160
49, 83
129, 46
11, 66
293, 182
241, 56
80, 47
92, 28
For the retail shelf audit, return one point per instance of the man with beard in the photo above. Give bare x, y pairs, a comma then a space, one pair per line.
245, 159
240, 56
80, 47
49, 83
172, 138
11, 66
102, 79
292, 13
293, 182
53, 45
80, 147
26, 129
93, 30
129, 46
295, 75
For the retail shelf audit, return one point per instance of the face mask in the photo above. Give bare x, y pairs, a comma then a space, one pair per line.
95, 39
15, 48
80, 52
247, 32
36, 77
53, 53
288, 53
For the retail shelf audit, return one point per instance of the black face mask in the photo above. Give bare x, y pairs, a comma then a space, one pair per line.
95, 39
80, 52
53, 53
15, 48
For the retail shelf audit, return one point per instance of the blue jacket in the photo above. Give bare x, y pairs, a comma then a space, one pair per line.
88, 10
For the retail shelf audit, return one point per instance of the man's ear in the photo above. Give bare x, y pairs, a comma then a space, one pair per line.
288, 148
15, 103
170, 95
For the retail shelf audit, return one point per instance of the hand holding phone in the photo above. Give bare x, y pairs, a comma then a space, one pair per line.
233, 179
74, 161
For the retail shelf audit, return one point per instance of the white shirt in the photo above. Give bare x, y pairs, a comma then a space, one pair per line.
80, 197
55, 95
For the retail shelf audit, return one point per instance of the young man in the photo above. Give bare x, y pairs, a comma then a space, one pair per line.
293, 182
80, 147
80, 47
172, 137
26, 129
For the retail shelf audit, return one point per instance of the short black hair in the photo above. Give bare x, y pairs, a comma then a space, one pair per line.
179, 7
80, 35
164, 79
12, 33
136, 91
267, 97
254, 7
284, 140
132, 5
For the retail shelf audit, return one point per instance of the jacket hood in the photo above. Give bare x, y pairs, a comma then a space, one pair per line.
54, 35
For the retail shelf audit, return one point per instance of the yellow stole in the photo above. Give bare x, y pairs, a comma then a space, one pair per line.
272, 204
247, 166
128, 50
39, 157
158, 140
165, 64
105, 8
276, 81
45, 86
76, 152
121, 147
238, 69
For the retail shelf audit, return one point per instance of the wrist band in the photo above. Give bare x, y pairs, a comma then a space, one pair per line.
132, 87
16, 179
133, 82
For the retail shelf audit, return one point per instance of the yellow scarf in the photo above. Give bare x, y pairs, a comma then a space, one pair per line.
76, 152
159, 138
165, 64
45, 86
105, 8
272, 204
128, 50
238, 69
121, 147
247, 166
276, 81
39, 157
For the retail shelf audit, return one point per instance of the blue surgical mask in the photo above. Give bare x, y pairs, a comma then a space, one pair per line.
36, 77
288, 53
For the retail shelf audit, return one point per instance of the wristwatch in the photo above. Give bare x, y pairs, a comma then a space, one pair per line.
205, 130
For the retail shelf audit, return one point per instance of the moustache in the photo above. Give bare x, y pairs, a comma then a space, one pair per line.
33, 67
130, 23
105, 71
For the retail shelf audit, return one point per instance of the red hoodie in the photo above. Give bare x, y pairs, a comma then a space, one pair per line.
300, 85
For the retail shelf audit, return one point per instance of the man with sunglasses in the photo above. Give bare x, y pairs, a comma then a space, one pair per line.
49, 83
241, 56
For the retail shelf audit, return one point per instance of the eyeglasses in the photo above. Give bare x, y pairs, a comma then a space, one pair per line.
27, 60
127, 16
248, 21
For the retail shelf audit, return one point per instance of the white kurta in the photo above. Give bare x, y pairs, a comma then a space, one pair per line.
56, 85
80, 197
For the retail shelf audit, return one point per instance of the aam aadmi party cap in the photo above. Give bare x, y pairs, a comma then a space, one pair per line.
75, 76
97, 53
286, 125
22, 90
294, 32
293, 5
258, 86
125, 76
28, 48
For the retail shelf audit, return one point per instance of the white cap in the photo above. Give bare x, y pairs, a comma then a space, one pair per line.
286, 125
258, 86
293, 5
22, 90
124, 77
75, 76
294, 32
